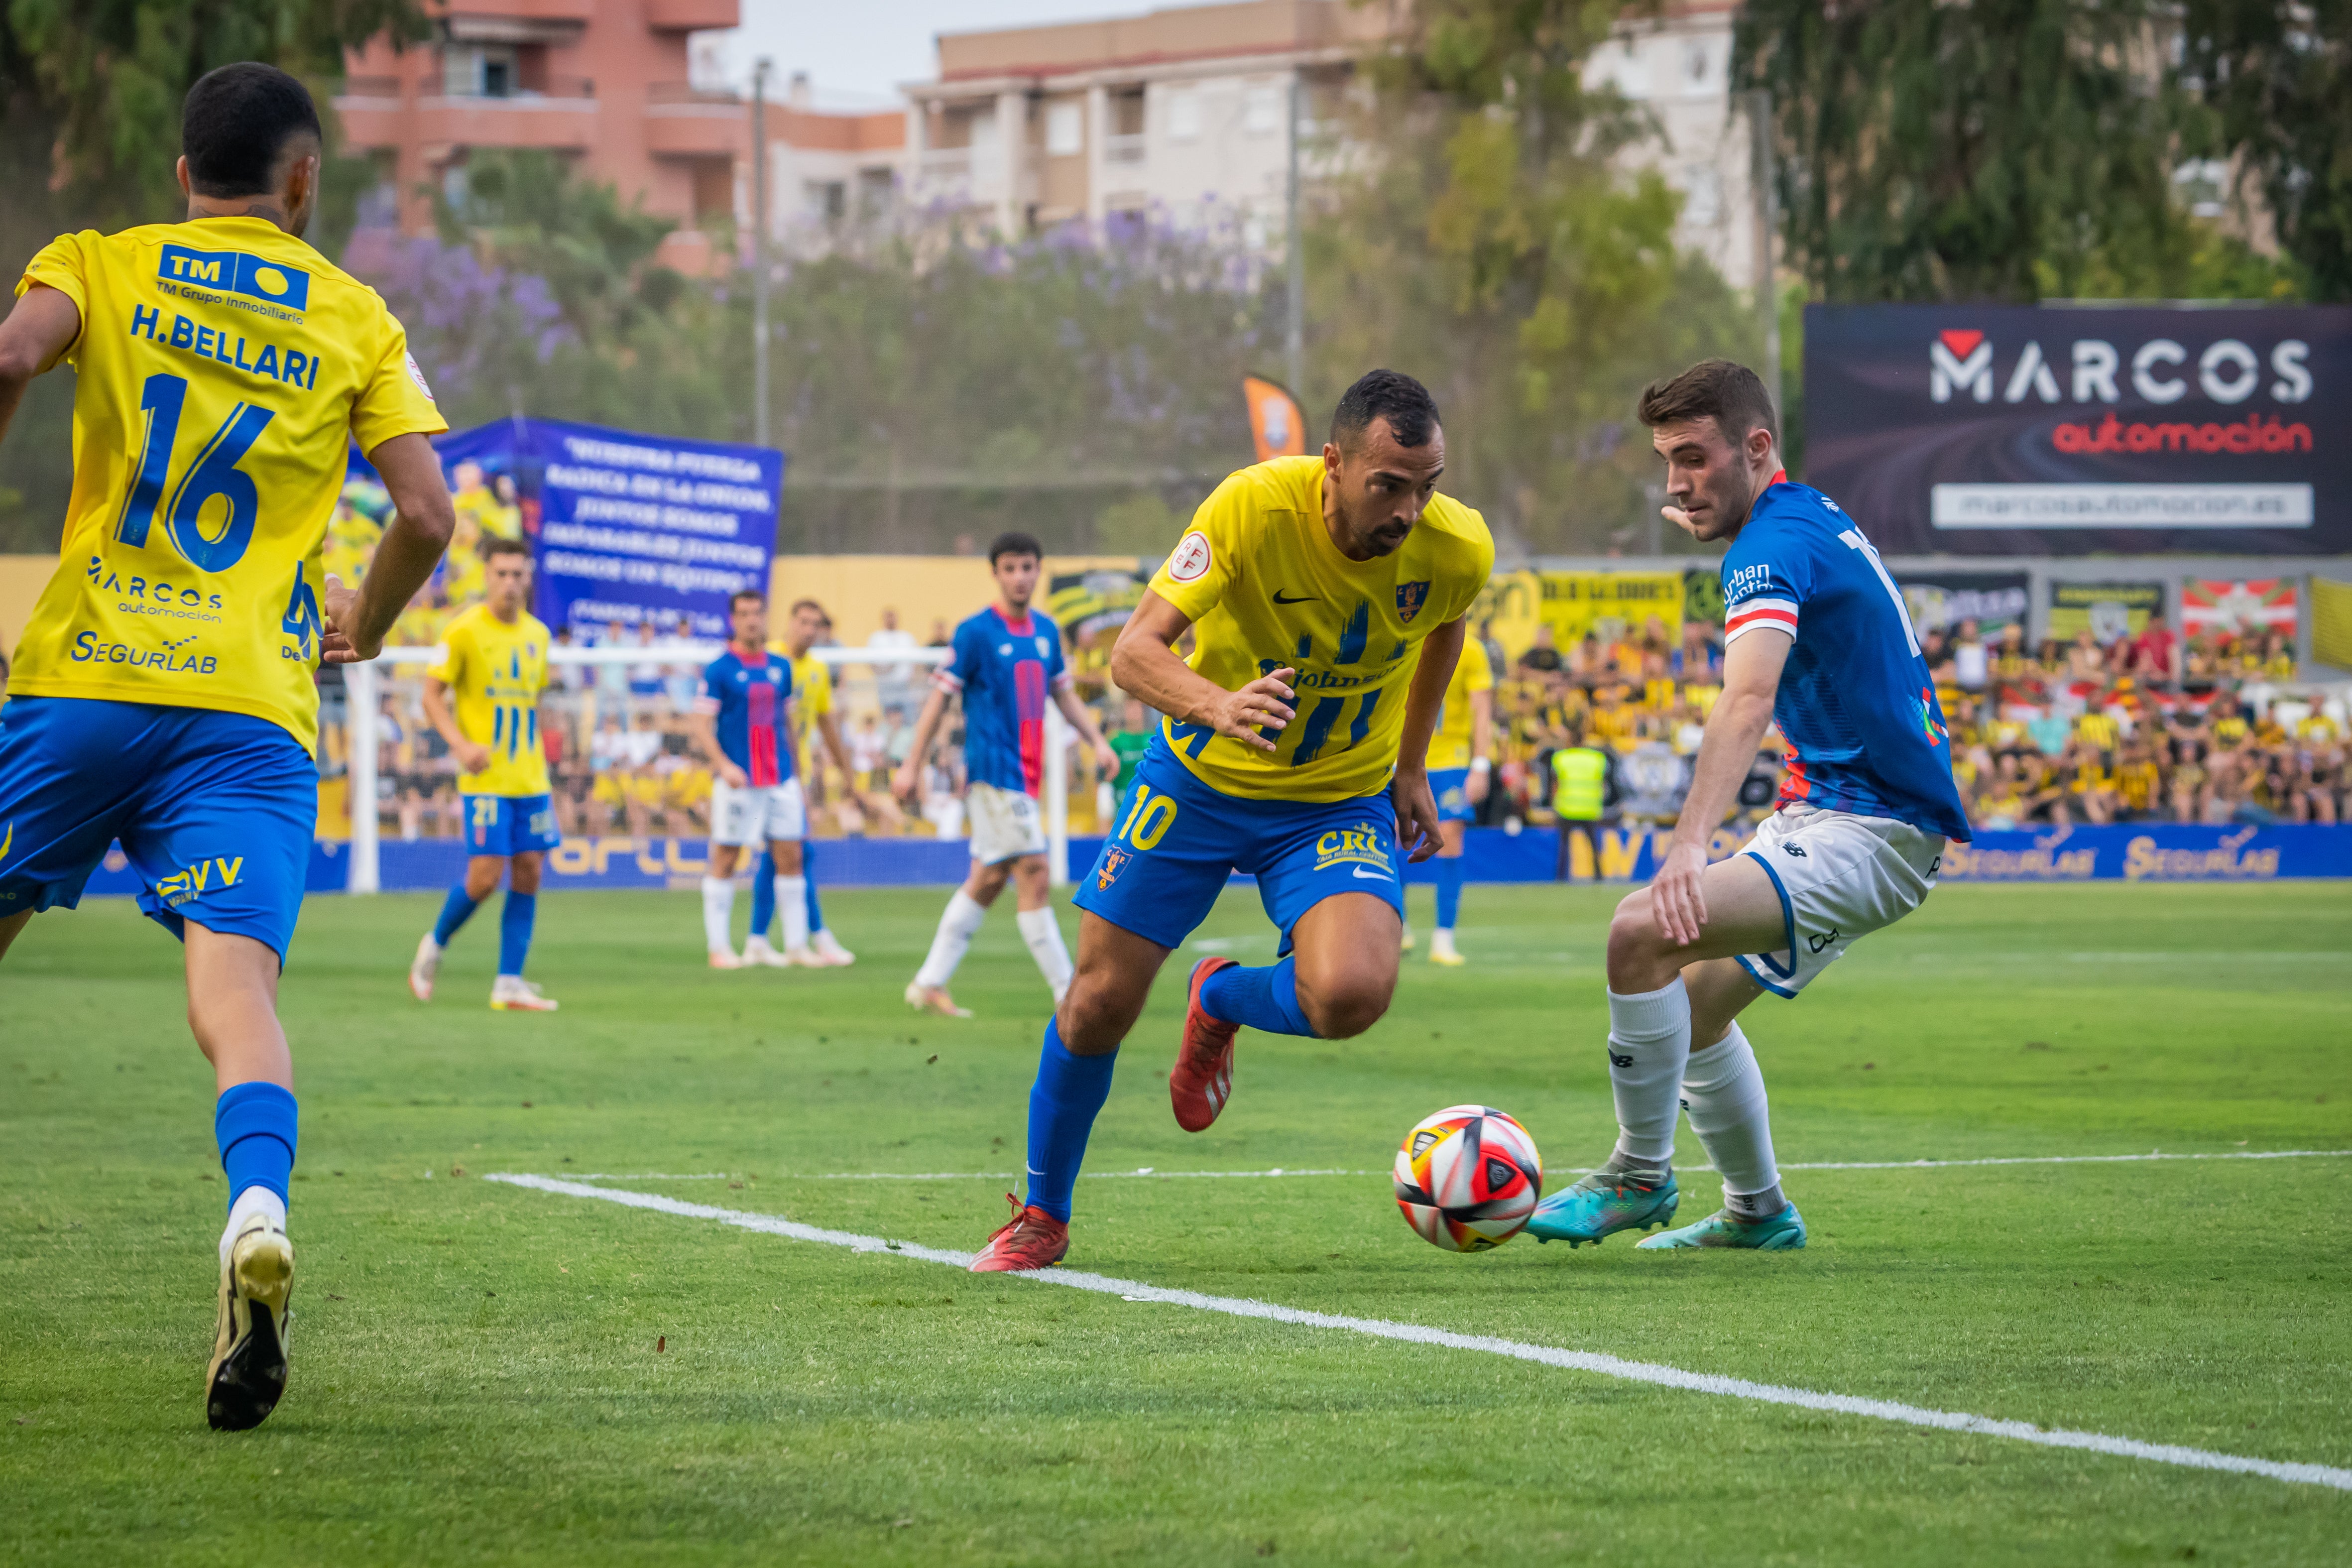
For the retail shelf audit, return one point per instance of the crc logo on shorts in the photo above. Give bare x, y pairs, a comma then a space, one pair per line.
1361, 845
183, 886
235, 272
1191, 558
1410, 597
1453, 799
1114, 861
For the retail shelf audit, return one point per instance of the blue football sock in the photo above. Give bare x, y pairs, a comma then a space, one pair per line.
763, 895
808, 874
514, 930
255, 1125
1449, 891
456, 910
1264, 999
1069, 1091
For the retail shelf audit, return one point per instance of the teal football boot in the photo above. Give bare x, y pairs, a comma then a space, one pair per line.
1603, 1204
1784, 1232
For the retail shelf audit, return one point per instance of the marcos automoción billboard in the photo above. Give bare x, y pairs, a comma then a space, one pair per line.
2022, 430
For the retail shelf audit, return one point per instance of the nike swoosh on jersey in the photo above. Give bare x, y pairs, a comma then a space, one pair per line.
1302, 599
1367, 875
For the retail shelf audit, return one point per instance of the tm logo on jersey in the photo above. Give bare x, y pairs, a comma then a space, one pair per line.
182, 887
235, 272
1361, 843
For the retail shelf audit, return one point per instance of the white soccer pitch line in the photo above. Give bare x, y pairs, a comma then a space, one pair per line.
1279, 1171
1414, 1333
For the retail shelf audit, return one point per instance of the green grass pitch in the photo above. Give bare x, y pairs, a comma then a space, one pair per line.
484, 1373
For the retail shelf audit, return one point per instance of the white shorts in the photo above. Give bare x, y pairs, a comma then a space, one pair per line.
1840, 876
1005, 823
756, 814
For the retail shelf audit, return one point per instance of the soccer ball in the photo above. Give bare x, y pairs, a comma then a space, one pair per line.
1468, 1178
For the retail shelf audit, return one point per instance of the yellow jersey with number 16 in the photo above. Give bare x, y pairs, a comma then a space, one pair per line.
1265, 588
224, 366
497, 670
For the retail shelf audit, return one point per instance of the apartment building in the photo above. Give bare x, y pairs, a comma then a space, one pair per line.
1186, 112
612, 86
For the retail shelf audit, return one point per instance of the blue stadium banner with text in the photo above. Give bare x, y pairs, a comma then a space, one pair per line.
625, 527
2022, 430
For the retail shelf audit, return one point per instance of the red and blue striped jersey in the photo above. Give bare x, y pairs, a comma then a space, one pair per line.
1857, 703
1004, 671
747, 697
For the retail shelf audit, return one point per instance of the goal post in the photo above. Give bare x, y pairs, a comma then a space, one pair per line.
367, 685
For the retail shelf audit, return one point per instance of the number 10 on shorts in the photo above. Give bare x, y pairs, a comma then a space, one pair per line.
1149, 819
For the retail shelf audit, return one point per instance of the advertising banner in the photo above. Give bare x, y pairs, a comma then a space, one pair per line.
2017, 430
629, 528
1609, 604
1277, 427
2259, 605
2106, 610
1939, 601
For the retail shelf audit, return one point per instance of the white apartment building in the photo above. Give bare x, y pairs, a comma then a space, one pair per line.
1186, 112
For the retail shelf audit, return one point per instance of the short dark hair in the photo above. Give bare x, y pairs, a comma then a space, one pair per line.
739, 594
235, 125
1719, 389
499, 545
800, 604
1388, 394
1015, 543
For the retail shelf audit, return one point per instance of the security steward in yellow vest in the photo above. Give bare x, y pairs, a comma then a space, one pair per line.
1580, 793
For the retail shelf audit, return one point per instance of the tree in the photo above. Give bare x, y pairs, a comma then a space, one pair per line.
2274, 82
2000, 150
1494, 243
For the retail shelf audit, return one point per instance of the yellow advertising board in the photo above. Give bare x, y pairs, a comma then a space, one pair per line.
1575, 605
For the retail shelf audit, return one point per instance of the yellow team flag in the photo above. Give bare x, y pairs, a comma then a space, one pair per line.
1276, 424
2331, 622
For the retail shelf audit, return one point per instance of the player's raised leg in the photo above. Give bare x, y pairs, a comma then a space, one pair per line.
1662, 992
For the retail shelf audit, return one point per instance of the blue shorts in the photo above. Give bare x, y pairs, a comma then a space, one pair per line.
1178, 840
215, 811
1452, 788
509, 824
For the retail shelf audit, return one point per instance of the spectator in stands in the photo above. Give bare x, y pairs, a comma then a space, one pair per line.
1972, 662
1542, 657
895, 681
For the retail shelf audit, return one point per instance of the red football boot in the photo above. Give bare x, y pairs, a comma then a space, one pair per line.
1031, 1239
1203, 1078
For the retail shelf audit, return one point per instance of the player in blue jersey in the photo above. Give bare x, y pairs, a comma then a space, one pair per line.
164, 691
1817, 640
742, 724
1005, 664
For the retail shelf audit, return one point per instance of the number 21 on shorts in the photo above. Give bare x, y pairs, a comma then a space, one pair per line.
1149, 819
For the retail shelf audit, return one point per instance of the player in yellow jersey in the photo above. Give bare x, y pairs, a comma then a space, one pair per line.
497, 668
1461, 756
813, 691
1326, 596
163, 693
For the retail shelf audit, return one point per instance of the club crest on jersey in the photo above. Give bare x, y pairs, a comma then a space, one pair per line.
1114, 861
235, 272
1410, 598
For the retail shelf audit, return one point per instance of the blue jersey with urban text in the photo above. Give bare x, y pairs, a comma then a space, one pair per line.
1005, 671
746, 698
1857, 703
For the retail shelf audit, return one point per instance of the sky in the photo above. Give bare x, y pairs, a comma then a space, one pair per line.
857, 53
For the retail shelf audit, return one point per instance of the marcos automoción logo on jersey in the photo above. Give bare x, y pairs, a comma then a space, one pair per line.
235, 272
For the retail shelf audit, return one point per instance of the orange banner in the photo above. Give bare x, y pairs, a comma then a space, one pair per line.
1277, 424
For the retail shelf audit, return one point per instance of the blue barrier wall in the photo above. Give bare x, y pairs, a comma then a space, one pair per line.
2152, 853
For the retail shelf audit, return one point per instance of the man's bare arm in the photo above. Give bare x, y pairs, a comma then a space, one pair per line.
1144, 665
34, 338
1425, 698
359, 620
1751, 677
474, 755
910, 777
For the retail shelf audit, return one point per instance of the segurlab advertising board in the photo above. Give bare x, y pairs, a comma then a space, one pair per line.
2025, 430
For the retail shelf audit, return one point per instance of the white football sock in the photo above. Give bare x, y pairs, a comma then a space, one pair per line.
1649, 1041
253, 1200
1442, 940
791, 902
959, 923
1044, 939
1723, 1090
718, 913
